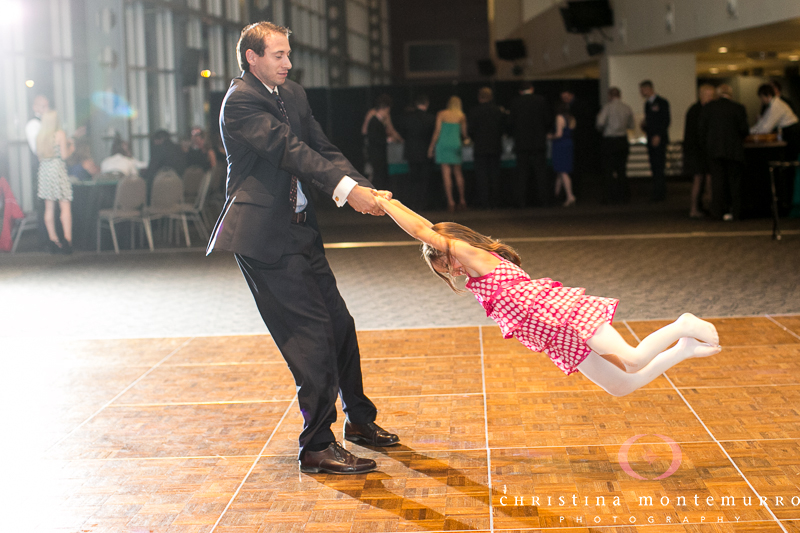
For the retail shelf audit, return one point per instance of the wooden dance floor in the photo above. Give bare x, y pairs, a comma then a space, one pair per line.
195, 435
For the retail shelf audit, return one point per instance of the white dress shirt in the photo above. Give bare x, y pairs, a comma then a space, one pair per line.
32, 131
777, 115
340, 193
615, 119
120, 163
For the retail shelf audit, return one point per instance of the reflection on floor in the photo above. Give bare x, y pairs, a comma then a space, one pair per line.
199, 435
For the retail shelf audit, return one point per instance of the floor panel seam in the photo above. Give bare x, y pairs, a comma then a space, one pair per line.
253, 466
486, 430
787, 330
721, 447
126, 389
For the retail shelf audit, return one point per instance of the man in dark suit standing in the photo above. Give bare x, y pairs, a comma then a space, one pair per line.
417, 128
276, 149
485, 125
723, 128
656, 126
530, 119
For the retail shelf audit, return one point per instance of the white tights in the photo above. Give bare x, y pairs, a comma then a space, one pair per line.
651, 358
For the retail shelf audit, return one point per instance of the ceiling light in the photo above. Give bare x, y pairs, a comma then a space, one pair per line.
733, 67
722, 50
794, 58
713, 70
29, 84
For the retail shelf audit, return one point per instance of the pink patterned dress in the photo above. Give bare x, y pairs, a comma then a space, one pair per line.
542, 314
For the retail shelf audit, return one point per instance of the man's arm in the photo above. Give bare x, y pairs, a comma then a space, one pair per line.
250, 124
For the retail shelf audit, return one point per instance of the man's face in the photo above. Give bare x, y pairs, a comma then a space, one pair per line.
646, 91
765, 99
567, 97
273, 67
40, 106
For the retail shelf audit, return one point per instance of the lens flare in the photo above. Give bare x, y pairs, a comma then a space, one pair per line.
113, 104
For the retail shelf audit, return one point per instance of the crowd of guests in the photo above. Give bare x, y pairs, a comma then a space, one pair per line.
713, 150
61, 160
438, 140
713, 147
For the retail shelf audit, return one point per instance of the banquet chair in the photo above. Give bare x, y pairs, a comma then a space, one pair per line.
166, 200
129, 203
31, 221
192, 181
195, 212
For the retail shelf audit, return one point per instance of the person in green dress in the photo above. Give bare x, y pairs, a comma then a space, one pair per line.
451, 127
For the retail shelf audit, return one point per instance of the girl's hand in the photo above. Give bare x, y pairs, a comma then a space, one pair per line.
430, 152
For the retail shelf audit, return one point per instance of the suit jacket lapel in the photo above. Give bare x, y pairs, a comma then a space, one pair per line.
290, 102
272, 104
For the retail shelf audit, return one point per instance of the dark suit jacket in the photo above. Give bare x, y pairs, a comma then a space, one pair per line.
723, 128
417, 129
485, 124
693, 157
263, 153
530, 119
657, 119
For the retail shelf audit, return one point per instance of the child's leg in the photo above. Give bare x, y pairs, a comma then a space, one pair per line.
617, 382
607, 341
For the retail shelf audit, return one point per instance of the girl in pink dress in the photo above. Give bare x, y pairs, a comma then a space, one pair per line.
572, 328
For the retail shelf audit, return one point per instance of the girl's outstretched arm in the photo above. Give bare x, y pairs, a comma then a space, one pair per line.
478, 261
411, 222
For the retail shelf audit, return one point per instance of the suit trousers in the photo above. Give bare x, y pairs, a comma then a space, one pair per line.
416, 190
726, 187
616, 188
309, 322
658, 163
487, 180
534, 162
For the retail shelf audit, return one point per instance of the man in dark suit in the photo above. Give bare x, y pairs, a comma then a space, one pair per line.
530, 119
417, 128
656, 126
276, 149
723, 128
485, 125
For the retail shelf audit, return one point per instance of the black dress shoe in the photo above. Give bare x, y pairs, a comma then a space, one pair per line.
371, 434
335, 460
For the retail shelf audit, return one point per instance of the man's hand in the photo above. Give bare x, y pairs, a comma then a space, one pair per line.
387, 195
655, 140
364, 201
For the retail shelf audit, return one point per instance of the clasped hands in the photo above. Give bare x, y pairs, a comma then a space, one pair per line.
365, 200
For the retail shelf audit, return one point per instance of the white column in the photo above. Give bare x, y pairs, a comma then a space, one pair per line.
674, 77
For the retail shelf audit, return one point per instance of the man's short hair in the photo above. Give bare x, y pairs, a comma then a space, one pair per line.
725, 90
614, 92
766, 89
383, 101
485, 94
646, 83
253, 38
422, 99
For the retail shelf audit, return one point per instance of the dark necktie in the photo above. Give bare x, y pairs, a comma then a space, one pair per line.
293, 189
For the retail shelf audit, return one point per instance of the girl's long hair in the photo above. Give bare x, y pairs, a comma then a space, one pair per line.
456, 232
45, 141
